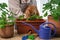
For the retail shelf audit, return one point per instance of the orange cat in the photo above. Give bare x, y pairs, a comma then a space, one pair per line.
31, 10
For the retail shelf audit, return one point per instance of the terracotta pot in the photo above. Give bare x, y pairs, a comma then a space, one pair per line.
23, 29
56, 23
7, 32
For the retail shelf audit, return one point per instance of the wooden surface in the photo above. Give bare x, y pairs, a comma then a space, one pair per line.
19, 37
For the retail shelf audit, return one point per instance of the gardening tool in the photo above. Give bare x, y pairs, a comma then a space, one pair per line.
45, 31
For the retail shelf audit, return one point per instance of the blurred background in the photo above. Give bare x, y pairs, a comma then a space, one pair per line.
14, 5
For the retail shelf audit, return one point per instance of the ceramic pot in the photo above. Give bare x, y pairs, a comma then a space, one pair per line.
7, 32
23, 29
56, 23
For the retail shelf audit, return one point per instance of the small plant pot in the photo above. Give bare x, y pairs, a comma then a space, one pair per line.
56, 23
23, 29
7, 32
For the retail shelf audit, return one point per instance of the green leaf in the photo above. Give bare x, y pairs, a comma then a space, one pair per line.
46, 14
39, 17
3, 5
56, 18
2, 26
21, 17
10, 23
4, 13
10, 17
54, 7
47, 6
55, 1
1, 21
33, 17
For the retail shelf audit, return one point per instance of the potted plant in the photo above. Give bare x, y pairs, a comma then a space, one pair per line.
34, 20
53, 7
6, 22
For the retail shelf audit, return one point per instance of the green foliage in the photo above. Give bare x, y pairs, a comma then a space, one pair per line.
3, 5
53, 6
33, 17
4, 19
55, 1
39, 17
21, 17
45, 14
2, 23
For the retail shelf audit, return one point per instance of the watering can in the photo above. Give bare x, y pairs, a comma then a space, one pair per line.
45, 31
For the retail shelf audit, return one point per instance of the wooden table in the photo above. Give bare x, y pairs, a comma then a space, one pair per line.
19, 37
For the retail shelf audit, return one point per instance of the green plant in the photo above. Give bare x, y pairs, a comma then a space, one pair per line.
21, 17
6, 16
53, 6
33, 17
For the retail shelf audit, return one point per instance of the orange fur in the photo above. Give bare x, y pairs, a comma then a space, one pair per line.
31, 10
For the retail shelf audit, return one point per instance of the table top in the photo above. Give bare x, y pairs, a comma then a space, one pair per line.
19, 37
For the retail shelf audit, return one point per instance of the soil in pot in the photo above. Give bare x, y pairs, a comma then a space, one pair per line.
23, 29
56, 23
7, 32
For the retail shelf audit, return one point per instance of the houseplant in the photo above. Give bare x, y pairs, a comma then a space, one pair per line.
53, 6
6, 22
34, 20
